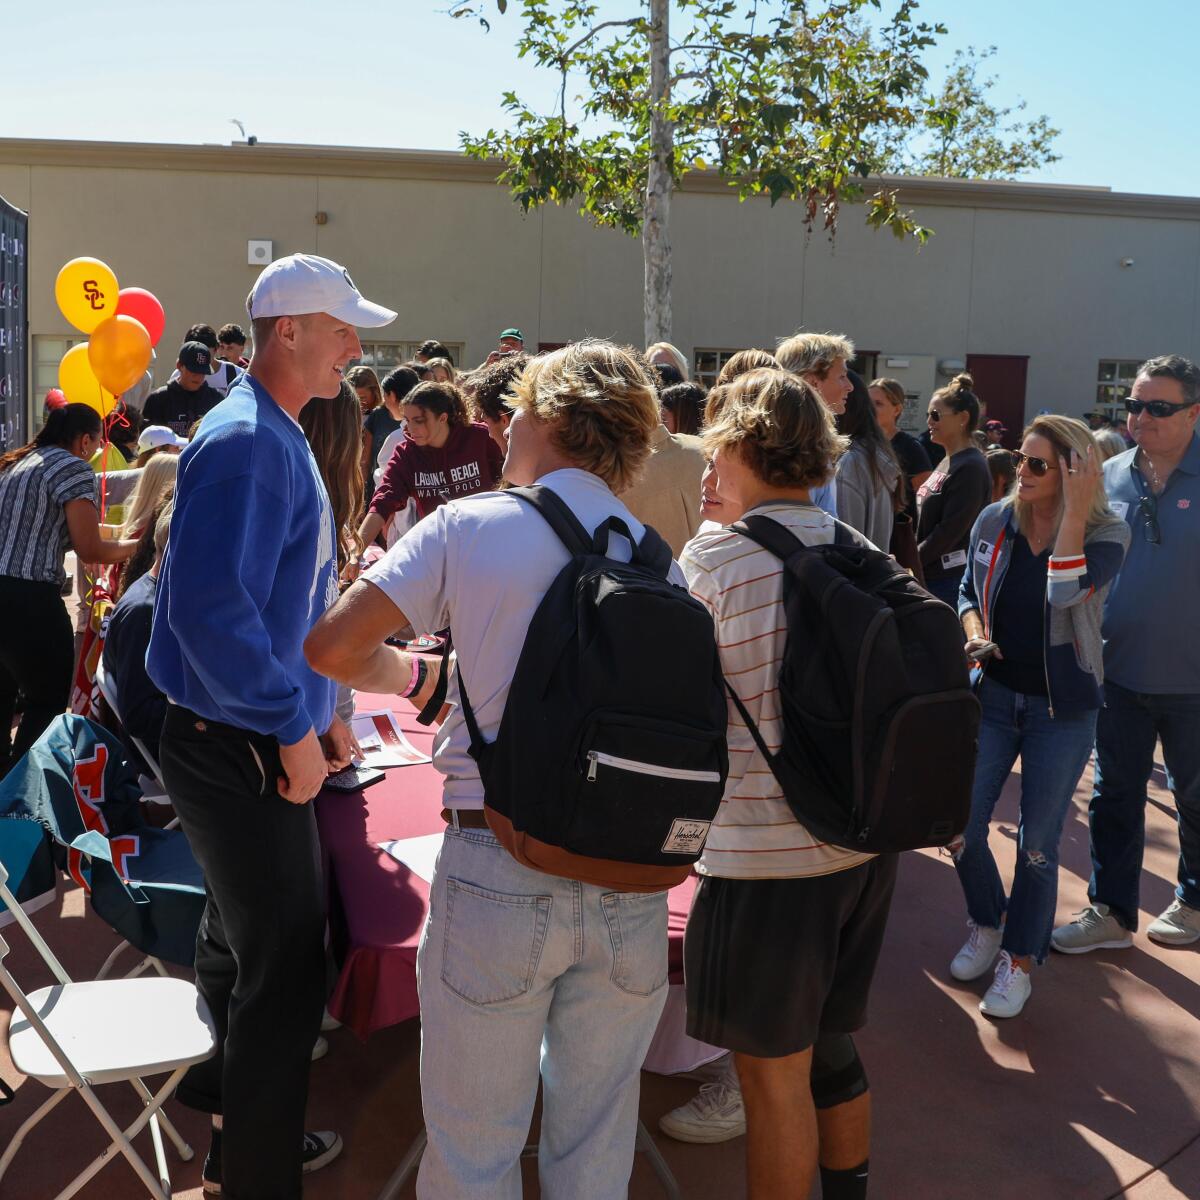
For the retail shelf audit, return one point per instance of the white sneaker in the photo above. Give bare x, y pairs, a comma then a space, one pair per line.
714, 1114
978, 953
1178, 926
1010, 989
1095, 928
320, 1049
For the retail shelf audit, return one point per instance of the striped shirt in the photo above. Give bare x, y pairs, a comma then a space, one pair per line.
33, 525
755, 835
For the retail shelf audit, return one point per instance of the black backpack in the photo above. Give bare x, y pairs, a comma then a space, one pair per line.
880, 726
610, 760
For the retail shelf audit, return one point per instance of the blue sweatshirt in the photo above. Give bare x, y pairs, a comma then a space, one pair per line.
249, 568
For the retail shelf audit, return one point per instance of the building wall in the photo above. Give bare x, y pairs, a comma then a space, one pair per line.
1011, 269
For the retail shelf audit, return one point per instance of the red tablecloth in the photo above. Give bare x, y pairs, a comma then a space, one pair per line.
378, 905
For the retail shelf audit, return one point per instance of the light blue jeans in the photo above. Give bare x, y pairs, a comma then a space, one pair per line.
1053, 753
524, 975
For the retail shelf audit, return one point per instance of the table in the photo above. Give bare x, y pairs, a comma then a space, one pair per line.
378, 906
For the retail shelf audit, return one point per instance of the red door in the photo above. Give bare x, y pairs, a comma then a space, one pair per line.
1000, 386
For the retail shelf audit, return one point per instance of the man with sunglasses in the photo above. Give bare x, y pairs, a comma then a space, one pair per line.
1152, 675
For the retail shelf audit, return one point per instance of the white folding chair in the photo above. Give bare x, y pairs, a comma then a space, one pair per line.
76, 1036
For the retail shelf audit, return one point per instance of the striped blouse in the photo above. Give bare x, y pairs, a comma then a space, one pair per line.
33, 525
755, 835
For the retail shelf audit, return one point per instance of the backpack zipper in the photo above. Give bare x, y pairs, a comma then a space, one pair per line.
597, 757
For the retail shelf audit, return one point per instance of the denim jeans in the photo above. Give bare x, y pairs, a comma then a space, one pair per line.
523, 974
1053, 753
945, 589
1130, 726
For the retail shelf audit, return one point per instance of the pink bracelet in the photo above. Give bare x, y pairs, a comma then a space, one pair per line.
413, 683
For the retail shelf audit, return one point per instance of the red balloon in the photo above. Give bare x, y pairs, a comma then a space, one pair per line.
143, 306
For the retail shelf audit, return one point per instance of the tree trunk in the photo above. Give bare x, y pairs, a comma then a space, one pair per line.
656, 238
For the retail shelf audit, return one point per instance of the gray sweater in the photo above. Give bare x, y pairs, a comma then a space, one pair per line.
865, 497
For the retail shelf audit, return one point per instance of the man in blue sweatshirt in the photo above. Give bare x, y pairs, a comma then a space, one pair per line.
250, 731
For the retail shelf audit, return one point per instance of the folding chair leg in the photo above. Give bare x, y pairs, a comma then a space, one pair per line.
408, 1164
33, 1119
645, 1143
186, 1153
117, 951
122, 1141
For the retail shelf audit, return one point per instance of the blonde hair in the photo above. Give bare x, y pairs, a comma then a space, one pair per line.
775, 422
744, 361
1064, 434
893, 389
365, 377
673, 353
156, 480
601, 401
813, 353
432, 364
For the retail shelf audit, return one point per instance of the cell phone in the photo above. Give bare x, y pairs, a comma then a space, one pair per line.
353, 779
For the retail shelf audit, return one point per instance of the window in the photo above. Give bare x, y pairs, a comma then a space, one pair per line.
383, 357
708, 364
1116, 376
47, 354
866, 363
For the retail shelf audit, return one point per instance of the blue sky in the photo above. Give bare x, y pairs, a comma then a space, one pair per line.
402, 73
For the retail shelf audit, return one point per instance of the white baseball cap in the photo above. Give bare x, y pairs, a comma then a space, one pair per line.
154, 436
306, 283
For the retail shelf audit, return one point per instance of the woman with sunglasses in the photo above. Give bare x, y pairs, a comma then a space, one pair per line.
1031, 602
950, 499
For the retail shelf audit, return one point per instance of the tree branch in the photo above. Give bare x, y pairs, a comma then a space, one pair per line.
591, 33
719, 49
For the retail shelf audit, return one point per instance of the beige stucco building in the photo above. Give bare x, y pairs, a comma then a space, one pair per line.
1049, 294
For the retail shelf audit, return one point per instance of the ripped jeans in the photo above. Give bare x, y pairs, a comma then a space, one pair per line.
1053, 753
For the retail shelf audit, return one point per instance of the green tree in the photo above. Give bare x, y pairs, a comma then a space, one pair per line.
787, 99
963, 134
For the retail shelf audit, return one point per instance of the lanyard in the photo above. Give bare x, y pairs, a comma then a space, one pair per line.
987, 585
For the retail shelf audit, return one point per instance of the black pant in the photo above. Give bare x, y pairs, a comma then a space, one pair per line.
37, 657
259, 951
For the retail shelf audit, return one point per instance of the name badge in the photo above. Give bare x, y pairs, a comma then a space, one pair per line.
956, 558
1119, 507
983, 552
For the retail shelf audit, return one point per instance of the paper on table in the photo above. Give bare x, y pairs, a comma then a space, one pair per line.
418, 854
382, 740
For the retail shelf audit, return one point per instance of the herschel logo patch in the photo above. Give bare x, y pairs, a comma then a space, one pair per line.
686, 837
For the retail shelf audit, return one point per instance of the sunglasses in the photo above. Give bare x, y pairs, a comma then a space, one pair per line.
1156, 408
1037, 466
1148, 507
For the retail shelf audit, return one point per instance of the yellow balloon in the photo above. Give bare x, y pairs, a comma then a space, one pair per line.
79, 383
119, 351
86, 291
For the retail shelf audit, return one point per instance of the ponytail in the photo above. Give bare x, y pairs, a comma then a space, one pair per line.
62, 427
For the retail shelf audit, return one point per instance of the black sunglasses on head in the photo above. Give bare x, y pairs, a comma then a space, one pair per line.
1156, 408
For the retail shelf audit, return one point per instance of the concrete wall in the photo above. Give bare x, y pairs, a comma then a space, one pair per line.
1011, 270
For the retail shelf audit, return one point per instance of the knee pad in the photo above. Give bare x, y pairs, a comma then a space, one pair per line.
837, 1071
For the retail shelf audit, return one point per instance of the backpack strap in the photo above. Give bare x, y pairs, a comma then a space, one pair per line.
763, 749
770, 535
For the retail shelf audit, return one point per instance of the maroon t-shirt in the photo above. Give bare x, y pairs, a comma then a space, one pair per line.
469, 462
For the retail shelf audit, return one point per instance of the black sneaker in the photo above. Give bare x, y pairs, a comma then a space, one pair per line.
320, 1147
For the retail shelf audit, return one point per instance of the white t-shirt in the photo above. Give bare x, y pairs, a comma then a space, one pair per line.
755, 835
481, 566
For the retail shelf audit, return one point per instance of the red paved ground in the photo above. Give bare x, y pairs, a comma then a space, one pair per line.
1093, 1092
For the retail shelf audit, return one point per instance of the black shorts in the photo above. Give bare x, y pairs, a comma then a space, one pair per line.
771, 963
